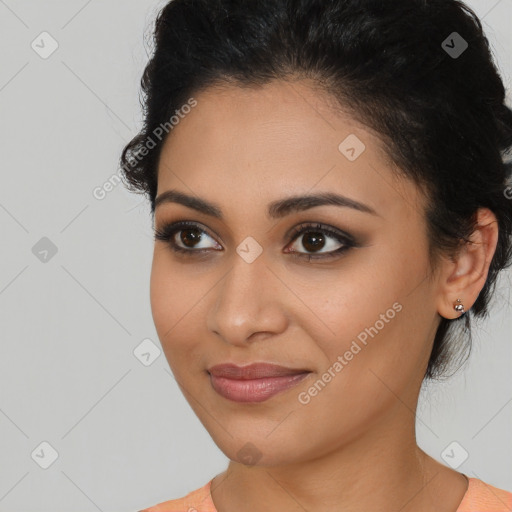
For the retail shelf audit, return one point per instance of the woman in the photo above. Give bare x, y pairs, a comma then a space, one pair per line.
331, 206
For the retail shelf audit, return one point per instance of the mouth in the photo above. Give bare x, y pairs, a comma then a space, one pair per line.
256, 382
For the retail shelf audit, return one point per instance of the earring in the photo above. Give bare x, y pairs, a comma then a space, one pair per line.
458, 306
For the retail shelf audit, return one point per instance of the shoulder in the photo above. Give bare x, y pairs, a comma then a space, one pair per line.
483, 497
480, 497
196, 501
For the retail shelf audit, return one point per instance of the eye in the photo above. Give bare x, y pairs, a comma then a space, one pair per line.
315, 237
193, 240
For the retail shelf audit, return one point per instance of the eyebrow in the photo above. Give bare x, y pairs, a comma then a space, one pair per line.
276, 209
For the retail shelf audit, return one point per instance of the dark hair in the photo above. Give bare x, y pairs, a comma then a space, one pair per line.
394, 65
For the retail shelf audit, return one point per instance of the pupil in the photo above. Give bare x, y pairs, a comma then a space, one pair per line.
189, 240
312, 241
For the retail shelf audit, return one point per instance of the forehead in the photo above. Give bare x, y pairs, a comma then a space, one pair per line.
239, 144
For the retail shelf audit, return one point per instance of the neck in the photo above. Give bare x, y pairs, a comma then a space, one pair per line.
382, 469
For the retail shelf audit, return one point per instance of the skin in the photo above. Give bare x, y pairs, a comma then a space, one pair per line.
353, 446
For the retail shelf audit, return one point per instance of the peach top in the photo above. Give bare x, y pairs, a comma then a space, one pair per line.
479, 497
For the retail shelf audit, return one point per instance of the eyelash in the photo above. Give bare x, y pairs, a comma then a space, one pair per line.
167, 232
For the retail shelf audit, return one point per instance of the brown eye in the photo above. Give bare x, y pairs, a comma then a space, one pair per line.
315, 238
190, 236
312, 241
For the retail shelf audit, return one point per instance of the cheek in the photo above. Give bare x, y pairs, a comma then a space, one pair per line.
172, 292
177, 308
348, 301
169, 298
366, 369
373, 318
160, 293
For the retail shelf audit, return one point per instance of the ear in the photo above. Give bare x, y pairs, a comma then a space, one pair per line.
466, 274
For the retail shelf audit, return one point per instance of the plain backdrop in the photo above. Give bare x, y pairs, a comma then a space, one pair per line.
90, 416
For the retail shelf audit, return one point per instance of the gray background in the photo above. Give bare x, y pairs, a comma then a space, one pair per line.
124, 434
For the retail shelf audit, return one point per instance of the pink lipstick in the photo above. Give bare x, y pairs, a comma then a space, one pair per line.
256, 382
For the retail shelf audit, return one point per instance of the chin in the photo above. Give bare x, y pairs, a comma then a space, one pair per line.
257, 448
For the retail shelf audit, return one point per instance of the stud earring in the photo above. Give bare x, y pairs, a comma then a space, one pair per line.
458, 306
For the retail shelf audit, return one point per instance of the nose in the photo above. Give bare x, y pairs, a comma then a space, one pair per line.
248, 303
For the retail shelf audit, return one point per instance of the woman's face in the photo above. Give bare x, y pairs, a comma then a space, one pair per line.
361, 321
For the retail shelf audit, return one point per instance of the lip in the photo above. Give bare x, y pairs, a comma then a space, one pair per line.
253, 371
255, 382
